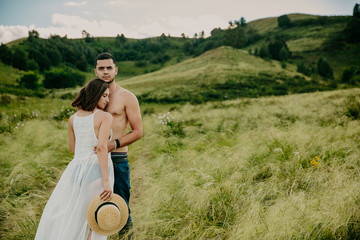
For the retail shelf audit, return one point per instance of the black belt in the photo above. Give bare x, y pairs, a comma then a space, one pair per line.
119, 157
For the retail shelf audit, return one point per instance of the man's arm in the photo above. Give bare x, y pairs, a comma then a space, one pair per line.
133, 114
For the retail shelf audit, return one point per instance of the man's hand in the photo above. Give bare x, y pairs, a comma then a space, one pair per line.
110, 145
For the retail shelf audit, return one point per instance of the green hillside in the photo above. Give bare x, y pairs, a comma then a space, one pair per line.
201, 75
268, 24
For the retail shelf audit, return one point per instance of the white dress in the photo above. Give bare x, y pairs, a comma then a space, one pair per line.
64, 216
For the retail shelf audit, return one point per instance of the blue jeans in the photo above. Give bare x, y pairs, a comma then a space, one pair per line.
122, 176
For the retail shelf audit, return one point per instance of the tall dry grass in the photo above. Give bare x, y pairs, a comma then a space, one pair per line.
245, 170
267, 168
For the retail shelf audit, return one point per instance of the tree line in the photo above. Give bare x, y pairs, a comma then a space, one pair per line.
57, 58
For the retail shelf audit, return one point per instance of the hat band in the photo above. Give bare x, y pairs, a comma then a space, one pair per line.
101, 205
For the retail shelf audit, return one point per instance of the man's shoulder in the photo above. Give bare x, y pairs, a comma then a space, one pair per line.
125, 92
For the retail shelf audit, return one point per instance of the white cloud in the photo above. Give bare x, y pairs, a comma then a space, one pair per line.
10, 33
75, 4
72, 26
190, 25
125, 3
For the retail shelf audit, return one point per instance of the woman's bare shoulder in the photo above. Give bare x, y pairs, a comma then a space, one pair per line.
71, 120
104, 115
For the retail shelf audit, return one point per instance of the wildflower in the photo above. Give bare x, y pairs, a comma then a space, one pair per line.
278, 150
315, 162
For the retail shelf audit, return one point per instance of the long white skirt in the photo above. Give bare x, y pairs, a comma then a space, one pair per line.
64, 216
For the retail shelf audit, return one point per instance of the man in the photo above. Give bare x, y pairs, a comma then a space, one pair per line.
124, 107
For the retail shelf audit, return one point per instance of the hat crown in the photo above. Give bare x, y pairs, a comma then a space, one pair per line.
108, 217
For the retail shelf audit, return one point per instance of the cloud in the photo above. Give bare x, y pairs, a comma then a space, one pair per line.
75, 24
10, 33
124, 3
190, 25
75, 4
72, 26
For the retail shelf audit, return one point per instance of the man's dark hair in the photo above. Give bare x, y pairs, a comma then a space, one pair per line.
90, 95
103, 56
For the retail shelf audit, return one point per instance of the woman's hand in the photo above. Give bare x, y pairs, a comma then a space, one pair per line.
106, 195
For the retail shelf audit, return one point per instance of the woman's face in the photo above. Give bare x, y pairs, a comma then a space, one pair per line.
104, 100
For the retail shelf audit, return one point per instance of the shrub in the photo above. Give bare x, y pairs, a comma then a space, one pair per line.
5, 99
63, 78
347, 75
352, 108
29, 80
264, 52
171, 126
301, 68
324, 68
284, 21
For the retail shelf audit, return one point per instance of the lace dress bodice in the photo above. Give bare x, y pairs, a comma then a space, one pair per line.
85, 138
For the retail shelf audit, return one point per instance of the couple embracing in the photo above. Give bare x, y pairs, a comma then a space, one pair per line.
91, 199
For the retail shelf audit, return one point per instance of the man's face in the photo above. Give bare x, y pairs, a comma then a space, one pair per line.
106, 70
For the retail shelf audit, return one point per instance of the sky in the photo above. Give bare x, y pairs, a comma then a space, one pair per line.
146, 18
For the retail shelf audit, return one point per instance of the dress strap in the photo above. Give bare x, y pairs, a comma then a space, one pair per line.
96, 111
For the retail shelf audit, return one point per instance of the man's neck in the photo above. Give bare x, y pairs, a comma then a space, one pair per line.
113, 86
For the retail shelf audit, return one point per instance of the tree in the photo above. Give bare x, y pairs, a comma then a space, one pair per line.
235, 38
31, 64
284, 21
63, 78
275, 49
301, 68
29, 80
87, 36
5, 54
284, 54
264, 52
19, 58
188, 48
348, 74
42, 60
243, 22
356, 11
324, 68
33, 35
120, 39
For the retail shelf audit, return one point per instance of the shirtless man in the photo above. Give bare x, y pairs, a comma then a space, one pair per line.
124, 107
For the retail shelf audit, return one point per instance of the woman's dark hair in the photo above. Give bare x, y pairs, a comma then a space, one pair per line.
104, 56
90, 95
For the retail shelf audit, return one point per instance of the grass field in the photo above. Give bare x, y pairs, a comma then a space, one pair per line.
267, 168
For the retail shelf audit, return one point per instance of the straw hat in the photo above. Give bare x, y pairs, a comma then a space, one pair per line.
107, 218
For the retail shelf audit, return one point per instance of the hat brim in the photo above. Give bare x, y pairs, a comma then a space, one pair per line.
94, 204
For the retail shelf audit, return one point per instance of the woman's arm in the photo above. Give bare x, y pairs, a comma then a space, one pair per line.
71, 134
102, 153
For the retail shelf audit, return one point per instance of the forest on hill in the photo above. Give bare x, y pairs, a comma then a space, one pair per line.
323, 48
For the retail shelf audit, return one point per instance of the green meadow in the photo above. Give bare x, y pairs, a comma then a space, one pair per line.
283, 167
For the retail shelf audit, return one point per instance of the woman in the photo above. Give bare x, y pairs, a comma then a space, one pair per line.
88, 175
